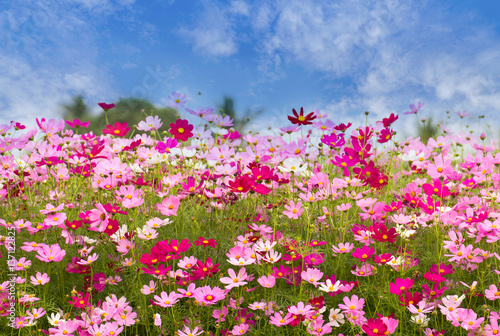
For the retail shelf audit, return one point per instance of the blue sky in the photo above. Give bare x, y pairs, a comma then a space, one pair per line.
341, 57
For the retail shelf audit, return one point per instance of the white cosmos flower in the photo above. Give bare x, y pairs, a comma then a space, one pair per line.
329, 287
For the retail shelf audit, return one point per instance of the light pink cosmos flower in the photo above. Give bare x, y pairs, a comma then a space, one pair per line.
294, 210
492, 293
151, 124
50, 253
343, 248
89, 260
278, 320
40, 279
49, 208
188, 332
146, 290
312, 275
267, 281
235, 280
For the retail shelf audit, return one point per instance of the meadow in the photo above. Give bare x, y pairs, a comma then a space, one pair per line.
322, 228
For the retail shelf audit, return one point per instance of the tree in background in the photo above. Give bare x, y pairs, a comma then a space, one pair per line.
239, 124
78, 109
427, 130
130, 110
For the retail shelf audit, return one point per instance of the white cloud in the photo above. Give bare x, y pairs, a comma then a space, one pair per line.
213, 34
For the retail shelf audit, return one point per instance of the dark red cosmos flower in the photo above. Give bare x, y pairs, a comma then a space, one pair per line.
342, 127
154, 258
106, 107
99, 281
206, 268
388, 121
74, 224
317, 303
374, 327
133, 144
173, 246
117, 129
408, 298
112, 227
301, 119
381, 234
382, 258
205, 242
181, 129
77, 123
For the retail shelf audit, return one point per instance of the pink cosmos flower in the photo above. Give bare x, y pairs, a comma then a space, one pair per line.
235, 280
301, 309
50, 253
352, 304
267, 281
414, 109
169, 206
440, 168
363, 271
240, 329
294, 210
492, 293
167, 300
312, 275
470, 320
65, 328
208, 295
278, 320
99, 218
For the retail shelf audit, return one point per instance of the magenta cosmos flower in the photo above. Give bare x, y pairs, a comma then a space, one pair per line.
118, 129
181, 129
401, 285
77, 123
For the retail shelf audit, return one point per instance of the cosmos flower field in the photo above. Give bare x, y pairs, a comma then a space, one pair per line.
322, 228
